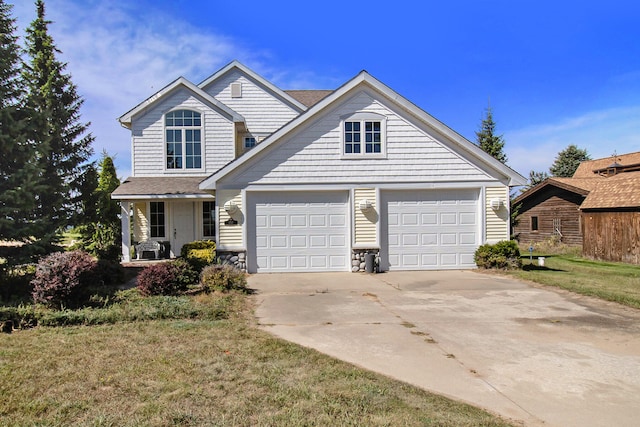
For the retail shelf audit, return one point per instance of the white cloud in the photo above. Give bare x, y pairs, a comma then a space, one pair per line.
601, 132
118, 56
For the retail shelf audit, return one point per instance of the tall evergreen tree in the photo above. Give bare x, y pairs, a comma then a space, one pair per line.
568, 160
101, 230
63, 142
536, 178
488, 141
18, 169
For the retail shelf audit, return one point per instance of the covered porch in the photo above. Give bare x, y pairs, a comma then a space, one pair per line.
161, 214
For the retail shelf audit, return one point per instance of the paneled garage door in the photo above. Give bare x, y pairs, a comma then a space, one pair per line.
301, 231
434, 229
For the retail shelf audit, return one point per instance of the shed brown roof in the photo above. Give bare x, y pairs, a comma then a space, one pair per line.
619, 191
580, 186
139, 187
308, 97
586, 168
586, 184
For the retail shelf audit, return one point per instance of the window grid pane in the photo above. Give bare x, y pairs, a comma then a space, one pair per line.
352, 137
183, 123
373, 137
156, 219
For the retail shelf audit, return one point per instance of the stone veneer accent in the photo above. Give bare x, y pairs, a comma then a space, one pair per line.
237, 259
357, 259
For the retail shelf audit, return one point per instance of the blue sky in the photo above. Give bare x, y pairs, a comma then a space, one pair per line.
555, 73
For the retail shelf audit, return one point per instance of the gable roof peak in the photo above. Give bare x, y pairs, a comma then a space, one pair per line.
257, 78
125, 119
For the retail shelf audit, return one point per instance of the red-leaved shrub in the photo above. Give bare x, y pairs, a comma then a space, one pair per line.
61, 278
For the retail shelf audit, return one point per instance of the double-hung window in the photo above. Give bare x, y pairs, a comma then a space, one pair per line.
183, 134
363, 135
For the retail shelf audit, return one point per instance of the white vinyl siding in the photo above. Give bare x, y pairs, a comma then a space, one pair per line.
230, 235
497, 220
253, 103
148, 130
365, 223
315, 154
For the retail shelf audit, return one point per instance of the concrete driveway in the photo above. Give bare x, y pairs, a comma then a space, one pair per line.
532, 354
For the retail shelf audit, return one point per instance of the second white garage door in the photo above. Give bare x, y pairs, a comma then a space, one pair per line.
300, 231
435, 229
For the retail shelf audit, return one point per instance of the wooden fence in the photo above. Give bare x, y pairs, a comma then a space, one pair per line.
611, 236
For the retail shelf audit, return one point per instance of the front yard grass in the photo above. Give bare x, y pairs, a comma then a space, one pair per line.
606, 280
200, 371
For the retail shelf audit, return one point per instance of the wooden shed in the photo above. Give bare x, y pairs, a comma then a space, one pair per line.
611, 219
551, 210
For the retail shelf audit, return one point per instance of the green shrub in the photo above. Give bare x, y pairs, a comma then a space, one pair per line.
167, 278
125, 306
199, 253
223, 278
503, 255
186, 274
63, 279
15, 284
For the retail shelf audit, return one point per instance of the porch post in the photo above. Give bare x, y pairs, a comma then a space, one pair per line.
126, 231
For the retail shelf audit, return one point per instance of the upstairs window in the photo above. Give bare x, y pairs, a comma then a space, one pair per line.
363, 135
249, 142
183, 139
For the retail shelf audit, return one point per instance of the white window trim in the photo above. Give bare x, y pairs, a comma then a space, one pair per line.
166, 220
362, 117
184, 168
215, 225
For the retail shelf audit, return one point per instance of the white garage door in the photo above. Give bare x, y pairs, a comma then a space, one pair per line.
435, 229
301, 231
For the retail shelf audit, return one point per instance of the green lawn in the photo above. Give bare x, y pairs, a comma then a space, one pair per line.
198, 371
609, 281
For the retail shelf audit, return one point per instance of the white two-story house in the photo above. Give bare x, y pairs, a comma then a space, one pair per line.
308, 180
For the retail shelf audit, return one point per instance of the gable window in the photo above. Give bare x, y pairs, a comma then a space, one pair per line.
183, 139
363, 135
534, 223
208, 219
156, 219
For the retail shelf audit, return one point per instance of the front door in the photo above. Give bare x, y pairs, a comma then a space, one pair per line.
183, 225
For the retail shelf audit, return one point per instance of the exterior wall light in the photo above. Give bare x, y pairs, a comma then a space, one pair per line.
495, 204
230, 207
365, 205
